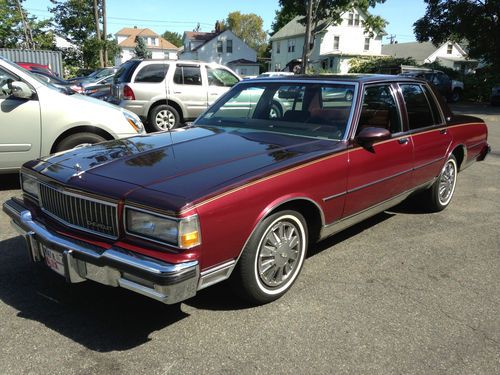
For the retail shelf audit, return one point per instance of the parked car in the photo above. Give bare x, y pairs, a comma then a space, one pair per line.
101, 92
276, 74
67, 87
95, 75
106, 80
243, 194
38, 68
495, 95
451, 89
167, 93
38, 119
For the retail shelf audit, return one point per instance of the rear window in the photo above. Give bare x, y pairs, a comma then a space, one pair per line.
152, 73
124, 73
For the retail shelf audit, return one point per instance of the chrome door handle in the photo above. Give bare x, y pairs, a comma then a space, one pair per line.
443, 131
403, 141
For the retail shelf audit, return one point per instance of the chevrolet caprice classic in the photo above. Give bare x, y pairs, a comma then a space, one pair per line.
273, 166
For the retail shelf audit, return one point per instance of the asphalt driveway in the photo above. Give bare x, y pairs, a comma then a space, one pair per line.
405, 292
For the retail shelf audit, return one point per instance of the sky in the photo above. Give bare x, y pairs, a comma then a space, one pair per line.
184, 15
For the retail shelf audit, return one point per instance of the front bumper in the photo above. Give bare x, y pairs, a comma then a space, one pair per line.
165, 282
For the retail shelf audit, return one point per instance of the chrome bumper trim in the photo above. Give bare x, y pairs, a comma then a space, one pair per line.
166, 282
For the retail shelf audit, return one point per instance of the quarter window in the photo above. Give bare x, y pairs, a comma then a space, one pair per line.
420, 114
379, 110
187, 75
152, 73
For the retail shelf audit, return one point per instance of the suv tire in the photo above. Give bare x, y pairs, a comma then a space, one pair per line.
163, 117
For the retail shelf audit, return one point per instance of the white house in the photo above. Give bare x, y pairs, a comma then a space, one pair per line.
449, 54
159, 47
334, 45
221, 47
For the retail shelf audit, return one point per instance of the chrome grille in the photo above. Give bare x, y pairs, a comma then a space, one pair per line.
80, 212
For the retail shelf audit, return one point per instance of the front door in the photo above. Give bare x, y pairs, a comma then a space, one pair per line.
19, 126
384, 171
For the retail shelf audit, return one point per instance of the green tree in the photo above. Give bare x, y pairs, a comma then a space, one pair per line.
173, 37
477, 22
326, 12
247, 27
20, 30
75, 20
141, 50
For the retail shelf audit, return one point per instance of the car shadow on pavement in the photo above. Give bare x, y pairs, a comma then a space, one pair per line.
100, 318
9, 181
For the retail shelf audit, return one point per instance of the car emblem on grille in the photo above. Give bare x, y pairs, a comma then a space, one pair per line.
96, 225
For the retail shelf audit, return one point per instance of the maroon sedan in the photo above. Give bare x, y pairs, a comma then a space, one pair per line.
273, 166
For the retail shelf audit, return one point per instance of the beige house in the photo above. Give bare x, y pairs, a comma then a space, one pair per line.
158, 46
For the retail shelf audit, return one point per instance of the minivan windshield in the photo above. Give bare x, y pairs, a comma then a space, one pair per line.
318, 110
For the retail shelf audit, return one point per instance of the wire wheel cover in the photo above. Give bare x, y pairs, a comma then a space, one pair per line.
279, 253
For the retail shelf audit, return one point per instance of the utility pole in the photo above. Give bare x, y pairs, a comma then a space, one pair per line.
307, 42
28, 36
105, 32
392, 39
98, 32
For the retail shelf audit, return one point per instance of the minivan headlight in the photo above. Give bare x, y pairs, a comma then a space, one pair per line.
134, 121
183, 233
30, 185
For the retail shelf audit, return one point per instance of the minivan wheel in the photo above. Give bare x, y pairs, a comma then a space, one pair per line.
78, 139
273, 257
163, 117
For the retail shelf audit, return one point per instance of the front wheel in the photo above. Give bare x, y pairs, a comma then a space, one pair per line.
441, 192
78, 139
273, 257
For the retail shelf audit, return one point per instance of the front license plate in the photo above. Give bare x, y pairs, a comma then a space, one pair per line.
54, 260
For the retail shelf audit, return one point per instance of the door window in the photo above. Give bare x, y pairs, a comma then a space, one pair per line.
379, 110
152, 73
187, 75
221, 77
5, 79
420, 114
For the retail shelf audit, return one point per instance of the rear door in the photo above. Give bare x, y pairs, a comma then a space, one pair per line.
384, 171
190, 89
19, 125
430, 136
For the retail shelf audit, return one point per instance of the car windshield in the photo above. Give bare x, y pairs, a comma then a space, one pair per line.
319, 110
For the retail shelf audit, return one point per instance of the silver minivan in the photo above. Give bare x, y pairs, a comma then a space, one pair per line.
167, 93
38, 119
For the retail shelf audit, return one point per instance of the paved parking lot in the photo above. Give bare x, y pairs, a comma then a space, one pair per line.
403, 293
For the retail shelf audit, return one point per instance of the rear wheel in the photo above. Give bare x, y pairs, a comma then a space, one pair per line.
441, 192
78, 139
163, 117
273, 257
456, 95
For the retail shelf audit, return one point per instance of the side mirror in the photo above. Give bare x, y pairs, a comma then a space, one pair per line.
20, 90
368, 136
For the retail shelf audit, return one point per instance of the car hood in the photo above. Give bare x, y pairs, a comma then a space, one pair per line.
174, 170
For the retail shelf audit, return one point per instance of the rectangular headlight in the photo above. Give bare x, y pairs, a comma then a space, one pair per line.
183, 233
30, 185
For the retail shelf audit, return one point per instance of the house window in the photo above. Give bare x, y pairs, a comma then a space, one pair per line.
291, 45
278, 47
350, 19
356, 20
229, 46
449, 51
336, 43
367, 44
219, 46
